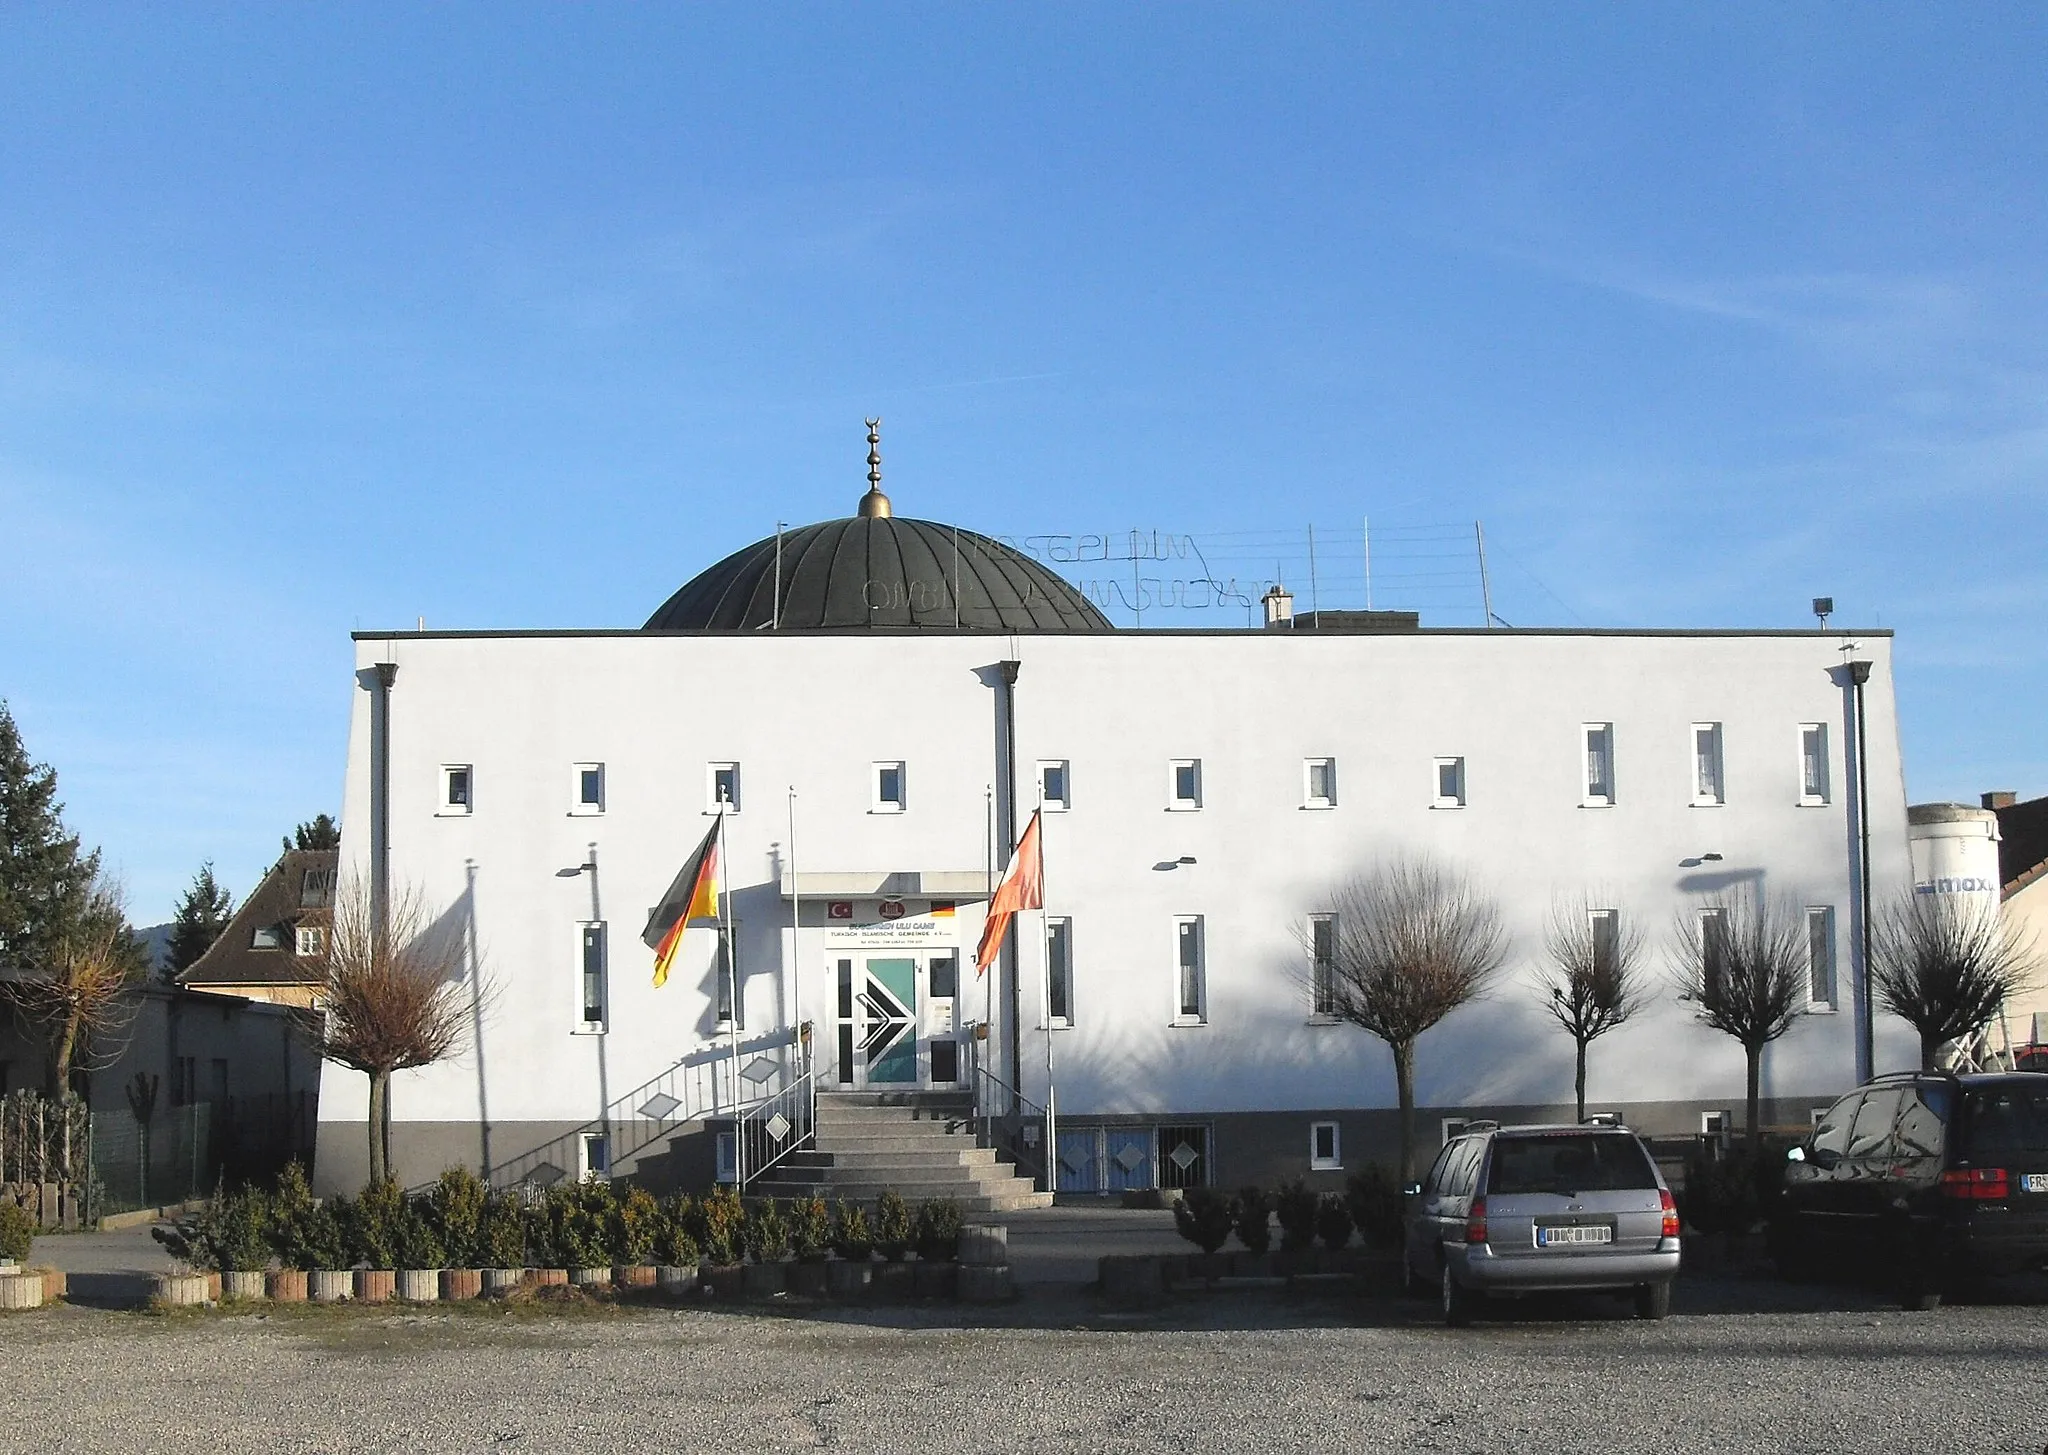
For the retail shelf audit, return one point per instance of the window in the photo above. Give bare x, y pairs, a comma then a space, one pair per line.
1186, 784
1813, 764
844, 985
1319, 783
1052, 784
1713, 950
595, 1152
591, 976
1707, 786
1323, 1148
316, 888
1183, 1156
1820, 957
1322, 944
1599, 764
1605, 925
1714, 1124
589, 797
311, 940
727, 988
722, 788
457, 789
726, 1158
1190, 998
267, 937
889, 788
1450, 783
1059, 971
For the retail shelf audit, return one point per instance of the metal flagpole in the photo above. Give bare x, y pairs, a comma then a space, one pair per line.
988, 894
796, 943
1052, 1157
731, 971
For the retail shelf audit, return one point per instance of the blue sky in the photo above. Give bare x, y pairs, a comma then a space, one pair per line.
316, 318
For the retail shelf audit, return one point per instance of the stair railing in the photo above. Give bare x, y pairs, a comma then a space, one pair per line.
771, 1129
1012, 1123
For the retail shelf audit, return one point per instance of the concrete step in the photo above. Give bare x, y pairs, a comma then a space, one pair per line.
910, 1189
898, 1099
1007, 1201
889, 1116
892, 1174
968, 1155
892, 1141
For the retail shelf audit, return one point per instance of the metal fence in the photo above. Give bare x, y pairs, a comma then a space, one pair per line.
139, 1164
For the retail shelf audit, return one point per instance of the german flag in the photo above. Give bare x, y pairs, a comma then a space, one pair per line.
693, 894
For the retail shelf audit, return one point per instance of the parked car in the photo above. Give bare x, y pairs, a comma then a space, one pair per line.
1537, 1209
1923, 1181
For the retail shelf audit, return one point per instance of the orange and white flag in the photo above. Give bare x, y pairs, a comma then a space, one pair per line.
1022, 887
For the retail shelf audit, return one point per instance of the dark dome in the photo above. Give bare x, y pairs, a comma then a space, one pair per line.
880, 571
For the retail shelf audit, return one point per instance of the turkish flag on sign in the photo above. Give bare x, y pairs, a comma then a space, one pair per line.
839, 909
1023, 887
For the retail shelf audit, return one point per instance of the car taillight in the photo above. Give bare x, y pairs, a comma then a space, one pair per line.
1670, 1212
1475, 1221
1976, 1184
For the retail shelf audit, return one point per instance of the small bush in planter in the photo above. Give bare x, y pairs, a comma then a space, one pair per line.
674, 1243
1251, 1212
766, 1233
938, 1229
721, 1225
634, 1226
851, 1237
415, 1242
583, 1223
17, 1231
370, 1224
1204, 1218
501, 1233
456, 1209
1333, 1221
810, 1229
304, 1234
1373, 1198
1297, 1207
893, 1230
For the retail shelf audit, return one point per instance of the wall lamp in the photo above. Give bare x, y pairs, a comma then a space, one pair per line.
1165, 864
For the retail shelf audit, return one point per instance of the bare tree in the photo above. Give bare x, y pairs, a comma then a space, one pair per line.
82, 995
1594, 976
392, 999
1946, 966
1741, 962
1409, 942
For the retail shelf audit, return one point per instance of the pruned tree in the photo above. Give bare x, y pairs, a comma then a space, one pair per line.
1740, 961
318, 832
1409, 942
203, 913
392, 999
81, 996
1592, 981
1947, 966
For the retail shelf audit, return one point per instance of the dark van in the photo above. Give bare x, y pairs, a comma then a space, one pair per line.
1923, 1181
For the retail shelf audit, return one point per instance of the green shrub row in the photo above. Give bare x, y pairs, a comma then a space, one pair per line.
17, 1231
461, 1223
1370, 1206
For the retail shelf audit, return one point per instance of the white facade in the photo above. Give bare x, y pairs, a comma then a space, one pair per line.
1641, 768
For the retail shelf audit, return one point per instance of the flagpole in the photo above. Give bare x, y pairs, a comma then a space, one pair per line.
988, 894
731, 970
796, 944
1052, 1160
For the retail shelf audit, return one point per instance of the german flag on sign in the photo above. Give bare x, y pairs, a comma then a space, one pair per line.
693, 894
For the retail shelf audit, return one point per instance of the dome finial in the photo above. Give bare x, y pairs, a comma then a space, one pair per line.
874, 504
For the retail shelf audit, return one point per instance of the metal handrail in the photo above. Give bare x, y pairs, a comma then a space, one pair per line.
770, 1130
1002, 1114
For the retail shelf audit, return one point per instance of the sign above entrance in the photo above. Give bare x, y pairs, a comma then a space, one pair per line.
890, 922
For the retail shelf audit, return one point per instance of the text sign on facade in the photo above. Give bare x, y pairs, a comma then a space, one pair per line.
891, 922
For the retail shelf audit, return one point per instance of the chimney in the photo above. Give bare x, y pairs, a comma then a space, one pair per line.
1279, 604
1999, 798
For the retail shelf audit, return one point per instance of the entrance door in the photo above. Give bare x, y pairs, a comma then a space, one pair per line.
885, 1028
898, 1019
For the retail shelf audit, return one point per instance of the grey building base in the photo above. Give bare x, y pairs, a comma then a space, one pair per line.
683, 1157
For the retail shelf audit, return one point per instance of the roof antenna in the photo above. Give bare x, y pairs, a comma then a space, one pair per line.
875, 505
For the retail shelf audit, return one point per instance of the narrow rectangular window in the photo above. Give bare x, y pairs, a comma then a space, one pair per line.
845, 1009
1813, 763
728, 971
1052, 785
1324, 1148
1190, 1002
1059, 971
1713, 950
597, 1156
1606, 927
1707, 785
1820, 956
589, 785
889, 788
591, 976
1450, 783
1320, 785
721, 788
457, 789
1599, 763
1187, 783
1322, 934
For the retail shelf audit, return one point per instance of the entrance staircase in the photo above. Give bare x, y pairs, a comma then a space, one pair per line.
920, 1143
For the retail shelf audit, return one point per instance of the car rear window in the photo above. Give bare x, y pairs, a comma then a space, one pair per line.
2007, 1118
1569, 1162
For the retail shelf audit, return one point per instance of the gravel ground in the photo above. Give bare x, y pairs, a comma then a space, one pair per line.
1750, 1368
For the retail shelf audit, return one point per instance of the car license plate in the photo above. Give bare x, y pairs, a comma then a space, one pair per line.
1582, 1233
2034, 1182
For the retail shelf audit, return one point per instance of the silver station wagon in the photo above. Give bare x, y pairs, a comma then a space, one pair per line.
1539, 1209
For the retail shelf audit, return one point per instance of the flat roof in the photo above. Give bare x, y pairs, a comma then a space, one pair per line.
870, 633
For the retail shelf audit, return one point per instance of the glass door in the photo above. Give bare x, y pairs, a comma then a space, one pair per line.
886, 1001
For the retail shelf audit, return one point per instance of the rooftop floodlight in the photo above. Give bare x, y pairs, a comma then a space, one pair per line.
1823, 607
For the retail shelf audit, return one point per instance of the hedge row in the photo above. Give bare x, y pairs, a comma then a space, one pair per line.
1370, 1205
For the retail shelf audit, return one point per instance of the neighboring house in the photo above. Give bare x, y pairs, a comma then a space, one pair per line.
269, 951
909, 683
2023, 890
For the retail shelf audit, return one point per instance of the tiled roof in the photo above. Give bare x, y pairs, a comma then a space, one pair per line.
2022, 844
299, 889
